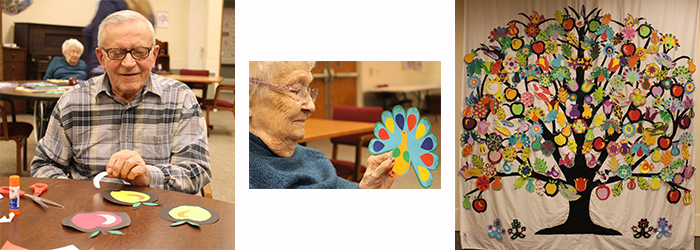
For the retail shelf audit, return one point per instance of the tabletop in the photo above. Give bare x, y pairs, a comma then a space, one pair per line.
197, 79
320, 128
404, 88
11, 93
38, 228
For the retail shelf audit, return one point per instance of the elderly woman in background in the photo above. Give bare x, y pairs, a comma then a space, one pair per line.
280, 102
69, 65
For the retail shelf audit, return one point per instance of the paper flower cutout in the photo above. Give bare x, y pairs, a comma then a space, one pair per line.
190, 214
97, 221
407, 136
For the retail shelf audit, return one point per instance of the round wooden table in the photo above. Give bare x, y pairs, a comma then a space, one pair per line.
38, 228
43, 105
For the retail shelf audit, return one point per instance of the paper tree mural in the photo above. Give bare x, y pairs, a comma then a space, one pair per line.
410, 141
578, 105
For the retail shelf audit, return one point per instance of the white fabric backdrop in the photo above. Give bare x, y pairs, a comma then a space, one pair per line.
538, 212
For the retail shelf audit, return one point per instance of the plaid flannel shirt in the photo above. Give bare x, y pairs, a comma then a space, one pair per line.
163, 123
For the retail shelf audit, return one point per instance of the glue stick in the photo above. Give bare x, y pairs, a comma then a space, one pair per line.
14, 194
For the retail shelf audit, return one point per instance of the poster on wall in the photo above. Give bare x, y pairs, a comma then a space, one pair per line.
577, 131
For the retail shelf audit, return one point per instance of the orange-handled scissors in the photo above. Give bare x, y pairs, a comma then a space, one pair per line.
38, 189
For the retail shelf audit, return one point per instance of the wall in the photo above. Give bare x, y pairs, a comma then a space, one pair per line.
81, 12
373, 73
459, 44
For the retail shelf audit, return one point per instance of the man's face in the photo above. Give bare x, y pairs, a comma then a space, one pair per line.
127, 76
276, 113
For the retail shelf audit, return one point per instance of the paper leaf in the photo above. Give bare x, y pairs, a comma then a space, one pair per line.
151, 204
617, 189
595, 51
566, 50
629, 159
665, 115
666, 157
613, 164
643, 183
137, 204
540, 165
519, 183
677, 164
94, 234
587, 146
599, 94
477, 161
598, 120
178, 223
193, 224
117, 232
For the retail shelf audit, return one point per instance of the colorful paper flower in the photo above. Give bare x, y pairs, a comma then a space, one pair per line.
482, 183
497, 34
467, 150
613, 148
525, 170
609, 50
681, 74
628, 129
624, 172
527, 99
551, 47
493, 141
509, 154
510, 64
536, 130
638, 97
651, 70
548, 148
532, 30
579, 126
666, 174
617, 82
669, 41
473, 82
628, 33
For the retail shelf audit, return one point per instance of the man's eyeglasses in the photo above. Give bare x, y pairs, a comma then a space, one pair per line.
137, 53
301, 93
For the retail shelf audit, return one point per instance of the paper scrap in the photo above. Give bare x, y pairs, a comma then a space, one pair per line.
5, 219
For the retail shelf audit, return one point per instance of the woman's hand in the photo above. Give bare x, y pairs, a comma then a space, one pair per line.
379, 173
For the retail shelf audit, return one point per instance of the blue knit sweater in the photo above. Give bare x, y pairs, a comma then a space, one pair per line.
60, 69
306, 168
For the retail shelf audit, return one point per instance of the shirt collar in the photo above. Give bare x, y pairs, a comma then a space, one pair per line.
104, 86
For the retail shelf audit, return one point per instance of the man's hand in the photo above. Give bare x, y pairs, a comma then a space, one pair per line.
379, 172
128, 165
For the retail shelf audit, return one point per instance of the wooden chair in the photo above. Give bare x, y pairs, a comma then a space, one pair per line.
353, 171
194, 85
206, 191
16, 131
218, 103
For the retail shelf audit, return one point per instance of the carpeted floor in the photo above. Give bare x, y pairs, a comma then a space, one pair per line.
221, 152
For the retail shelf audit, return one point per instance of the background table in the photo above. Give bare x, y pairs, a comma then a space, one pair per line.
206, 80
43, 105
320, 129
36, 228
420, 91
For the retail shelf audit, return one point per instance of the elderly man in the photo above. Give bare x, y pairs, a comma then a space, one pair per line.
69, 65
139, 127
280, 102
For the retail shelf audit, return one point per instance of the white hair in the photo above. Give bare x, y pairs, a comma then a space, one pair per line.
121, 17
72, 43
267, 71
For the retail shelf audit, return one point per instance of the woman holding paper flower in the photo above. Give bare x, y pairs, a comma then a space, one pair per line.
280, 102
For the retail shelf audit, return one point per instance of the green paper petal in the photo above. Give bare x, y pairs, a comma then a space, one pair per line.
115, 232
177, 223
94, 234
151, 204
193, 224
137, 204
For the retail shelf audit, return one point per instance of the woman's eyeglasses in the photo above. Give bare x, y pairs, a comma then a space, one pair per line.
119, 54
301, 93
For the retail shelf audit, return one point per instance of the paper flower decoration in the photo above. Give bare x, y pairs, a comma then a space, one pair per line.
97, 221
130, 198
190, 214
407, 136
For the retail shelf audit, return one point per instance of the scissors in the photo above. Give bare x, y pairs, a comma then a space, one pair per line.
38, 189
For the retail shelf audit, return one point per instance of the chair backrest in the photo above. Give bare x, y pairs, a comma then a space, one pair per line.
357, 114
194, 72
224, 104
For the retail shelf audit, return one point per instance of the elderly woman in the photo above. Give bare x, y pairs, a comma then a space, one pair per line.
280, 102
69, 65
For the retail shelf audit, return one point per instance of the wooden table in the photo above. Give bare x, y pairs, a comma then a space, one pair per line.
36, 228
320, 128
43, 105
206, 80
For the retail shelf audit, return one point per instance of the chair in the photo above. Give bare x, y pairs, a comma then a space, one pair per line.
434, 104
194, 85
218, 103
16, 131
353, 171
206, 191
